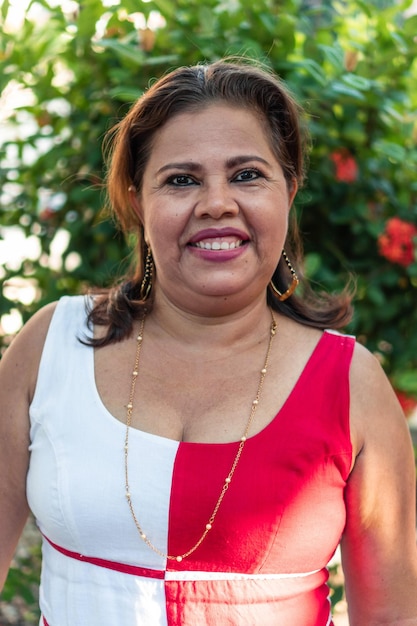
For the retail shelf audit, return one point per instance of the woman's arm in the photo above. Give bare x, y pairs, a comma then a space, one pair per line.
18, 373
379, 544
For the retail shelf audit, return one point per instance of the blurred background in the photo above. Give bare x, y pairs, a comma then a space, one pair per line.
69, 70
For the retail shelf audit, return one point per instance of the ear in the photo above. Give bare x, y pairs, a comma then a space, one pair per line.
135, 202
292, 191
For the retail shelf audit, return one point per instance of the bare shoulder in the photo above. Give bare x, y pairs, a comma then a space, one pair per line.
22, 357
375, 410
37, 326
364, 363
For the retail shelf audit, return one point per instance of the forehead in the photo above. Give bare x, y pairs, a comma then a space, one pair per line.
214, 128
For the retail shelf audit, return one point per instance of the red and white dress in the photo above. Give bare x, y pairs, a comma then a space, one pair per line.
263, 563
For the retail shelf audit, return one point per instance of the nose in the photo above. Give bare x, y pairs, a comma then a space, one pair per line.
216, 200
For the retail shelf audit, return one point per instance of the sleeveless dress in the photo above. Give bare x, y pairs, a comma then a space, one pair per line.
263, 563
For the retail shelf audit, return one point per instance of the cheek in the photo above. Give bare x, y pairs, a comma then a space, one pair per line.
166, 216
273, 224
164, 236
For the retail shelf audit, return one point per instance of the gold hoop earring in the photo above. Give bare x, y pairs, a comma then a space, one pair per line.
146, 285
294, 282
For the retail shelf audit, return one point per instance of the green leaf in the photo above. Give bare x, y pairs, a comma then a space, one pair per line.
410, 27
406, 381
392, 112
342, 89
357, 82
412, 269
333, 54
312, 264
166, 7
392, 150
127, 94
166, 59
5, 9
127, 51
314, 69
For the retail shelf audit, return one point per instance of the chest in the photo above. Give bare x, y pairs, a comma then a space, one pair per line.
288, 485
191, 399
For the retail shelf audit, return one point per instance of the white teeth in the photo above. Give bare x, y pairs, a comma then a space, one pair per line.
217, 245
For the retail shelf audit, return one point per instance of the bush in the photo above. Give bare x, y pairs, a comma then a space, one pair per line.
351, 64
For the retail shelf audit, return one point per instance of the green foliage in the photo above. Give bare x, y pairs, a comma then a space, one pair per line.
21, 587
352, 64
336, 584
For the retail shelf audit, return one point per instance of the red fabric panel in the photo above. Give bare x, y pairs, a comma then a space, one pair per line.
284, 511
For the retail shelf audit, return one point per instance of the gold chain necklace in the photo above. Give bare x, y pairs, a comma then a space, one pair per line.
228, 479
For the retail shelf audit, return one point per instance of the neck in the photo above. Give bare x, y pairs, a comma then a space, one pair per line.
214, 331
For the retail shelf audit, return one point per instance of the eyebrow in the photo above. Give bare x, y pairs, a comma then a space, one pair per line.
191, 166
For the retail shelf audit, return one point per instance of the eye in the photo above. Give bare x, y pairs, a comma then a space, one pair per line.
181, 180
248, 175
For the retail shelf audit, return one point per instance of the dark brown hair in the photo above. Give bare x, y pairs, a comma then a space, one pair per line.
128, 145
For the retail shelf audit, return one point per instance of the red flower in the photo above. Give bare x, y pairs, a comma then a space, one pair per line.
47, 214
346, 169
396, 242
408, 403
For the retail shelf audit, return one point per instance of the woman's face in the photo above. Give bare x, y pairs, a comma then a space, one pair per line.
214, 205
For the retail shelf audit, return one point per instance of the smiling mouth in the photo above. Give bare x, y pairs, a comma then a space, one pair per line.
218, 244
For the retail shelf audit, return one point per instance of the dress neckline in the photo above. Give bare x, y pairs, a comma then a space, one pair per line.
161, 440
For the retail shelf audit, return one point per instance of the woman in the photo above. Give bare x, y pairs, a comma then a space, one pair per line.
197, 445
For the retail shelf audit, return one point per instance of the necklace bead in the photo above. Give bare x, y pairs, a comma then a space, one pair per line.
228, 479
